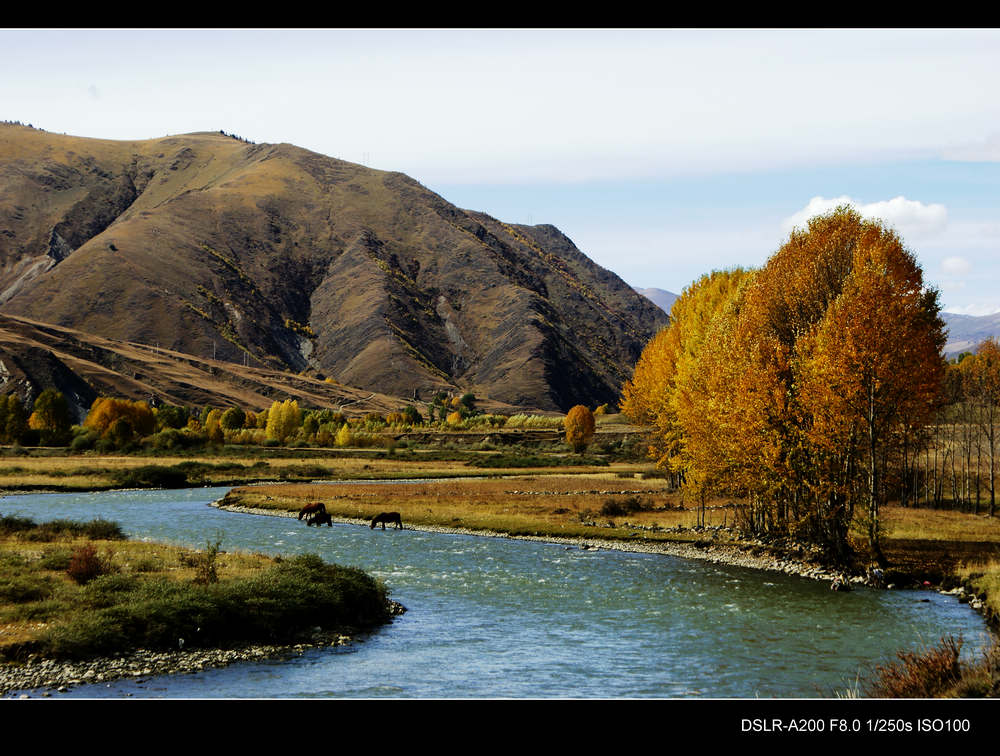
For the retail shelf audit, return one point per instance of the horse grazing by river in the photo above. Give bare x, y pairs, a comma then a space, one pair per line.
311, 509
390, 517
318, 518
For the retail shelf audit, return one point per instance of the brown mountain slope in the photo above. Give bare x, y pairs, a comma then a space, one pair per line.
35, 356
287, 259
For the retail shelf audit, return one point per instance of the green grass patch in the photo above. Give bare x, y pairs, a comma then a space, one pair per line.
122, 613
158, 597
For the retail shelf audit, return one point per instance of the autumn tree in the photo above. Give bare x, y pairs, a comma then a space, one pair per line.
14, 419
580, 427
283, 420
213, 426
51, 416
872, 368
981, 385
798, 385
663, 381
120, 420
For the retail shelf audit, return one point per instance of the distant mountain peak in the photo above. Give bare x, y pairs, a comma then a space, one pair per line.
660, 297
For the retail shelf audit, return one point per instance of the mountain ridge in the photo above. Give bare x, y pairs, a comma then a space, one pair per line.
292, 260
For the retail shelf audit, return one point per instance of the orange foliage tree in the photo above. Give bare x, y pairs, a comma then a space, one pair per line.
122, 419
799, 385
580, 428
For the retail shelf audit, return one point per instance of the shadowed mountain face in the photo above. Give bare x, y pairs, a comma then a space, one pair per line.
277, 257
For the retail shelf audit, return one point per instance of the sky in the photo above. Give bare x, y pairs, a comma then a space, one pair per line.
662, 153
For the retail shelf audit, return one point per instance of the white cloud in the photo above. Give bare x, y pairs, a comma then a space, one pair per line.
987, 150
956, 266
910, 218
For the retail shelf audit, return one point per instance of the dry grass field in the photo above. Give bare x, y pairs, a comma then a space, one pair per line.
580, 505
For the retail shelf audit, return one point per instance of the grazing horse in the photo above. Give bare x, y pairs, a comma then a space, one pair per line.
310, 509
385, 517
319, 518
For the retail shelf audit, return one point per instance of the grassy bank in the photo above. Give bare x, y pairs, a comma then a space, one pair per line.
43, 469
80, 590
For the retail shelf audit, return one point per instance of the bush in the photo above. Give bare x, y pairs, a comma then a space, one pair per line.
98, 529
919, 674
56, 559
21, 590
614, 508
83, 440
205, 566
150, 476
85, 564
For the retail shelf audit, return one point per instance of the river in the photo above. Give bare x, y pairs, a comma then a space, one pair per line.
500, 618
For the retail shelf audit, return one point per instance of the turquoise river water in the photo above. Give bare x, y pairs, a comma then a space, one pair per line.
501, 618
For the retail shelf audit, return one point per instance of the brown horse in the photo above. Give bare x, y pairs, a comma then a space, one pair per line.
385, 517
314, 508
319, 518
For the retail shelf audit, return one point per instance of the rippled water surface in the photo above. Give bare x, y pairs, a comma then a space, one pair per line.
496, 618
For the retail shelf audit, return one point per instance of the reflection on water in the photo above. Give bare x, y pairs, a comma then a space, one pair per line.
499, 618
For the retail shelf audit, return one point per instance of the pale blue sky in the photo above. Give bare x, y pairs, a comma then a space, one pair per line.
662, 153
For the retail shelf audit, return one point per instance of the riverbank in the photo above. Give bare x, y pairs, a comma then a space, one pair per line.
950, 551
742, 555
39, 677
82, 603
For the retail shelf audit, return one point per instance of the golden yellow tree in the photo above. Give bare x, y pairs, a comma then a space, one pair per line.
580, 428
650, 398
283, 420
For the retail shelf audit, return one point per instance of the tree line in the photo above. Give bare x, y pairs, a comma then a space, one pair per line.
116, 423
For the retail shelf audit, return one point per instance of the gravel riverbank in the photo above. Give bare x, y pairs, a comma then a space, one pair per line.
42, 677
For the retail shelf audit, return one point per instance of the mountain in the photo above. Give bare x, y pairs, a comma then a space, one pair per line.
660, 297
280, 258
966, 332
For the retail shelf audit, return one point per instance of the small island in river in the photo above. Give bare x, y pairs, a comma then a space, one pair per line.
81, 603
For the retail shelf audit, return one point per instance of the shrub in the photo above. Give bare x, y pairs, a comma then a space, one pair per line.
21, 590
206, 570
85, 564
13, 524
56, 559
83, 440
614, 508
150, 476
917, 674
274, 605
